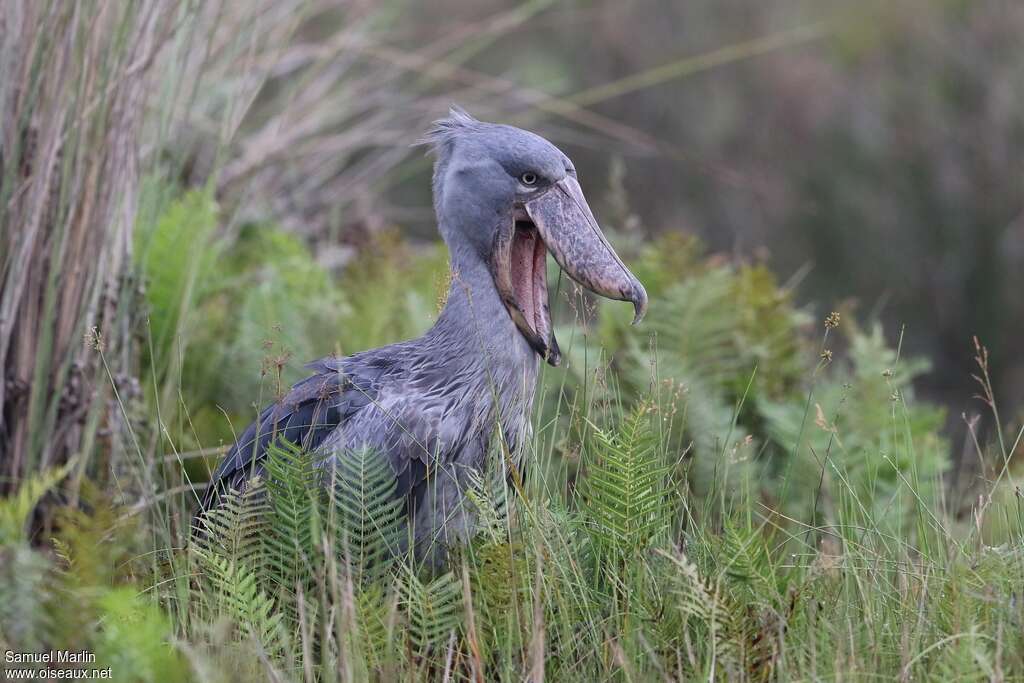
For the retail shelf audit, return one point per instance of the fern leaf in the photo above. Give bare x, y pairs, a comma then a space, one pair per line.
744, 558
434, 609
289, 540
488, 493
236, 528
364, 512
696, 600
625, 487
237, 594
16, 509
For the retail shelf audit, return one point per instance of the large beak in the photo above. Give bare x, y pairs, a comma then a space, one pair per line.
561, 221
569, 229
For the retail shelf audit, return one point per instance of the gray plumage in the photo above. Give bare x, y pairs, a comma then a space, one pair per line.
433, 405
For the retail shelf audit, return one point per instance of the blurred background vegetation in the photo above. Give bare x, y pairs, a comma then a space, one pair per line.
198, 198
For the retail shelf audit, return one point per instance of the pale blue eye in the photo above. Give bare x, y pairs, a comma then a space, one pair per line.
528, 178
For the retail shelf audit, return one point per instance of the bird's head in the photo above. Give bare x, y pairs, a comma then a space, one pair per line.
506, 196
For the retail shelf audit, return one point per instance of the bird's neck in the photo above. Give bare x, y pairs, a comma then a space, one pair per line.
475, 319
475, 336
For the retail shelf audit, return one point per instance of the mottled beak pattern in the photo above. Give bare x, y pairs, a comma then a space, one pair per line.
570, 231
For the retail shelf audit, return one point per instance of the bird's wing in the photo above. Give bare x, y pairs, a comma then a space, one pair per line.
334, 399
305, 416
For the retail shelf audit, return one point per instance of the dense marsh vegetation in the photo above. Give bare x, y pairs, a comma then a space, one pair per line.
746, 487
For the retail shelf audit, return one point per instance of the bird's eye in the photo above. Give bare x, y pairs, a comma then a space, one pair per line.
528, 178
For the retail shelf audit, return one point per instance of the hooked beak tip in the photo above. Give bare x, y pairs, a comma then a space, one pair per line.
639, 300
553, 355
639, 311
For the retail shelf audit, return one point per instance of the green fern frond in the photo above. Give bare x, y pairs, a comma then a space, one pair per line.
289, 540
488, 492
434, 610
372, 611
236, 528
364, 513
227, 540
625, 486
744, 558
697, 601
16, 509
236, 593
850, 440
495, 571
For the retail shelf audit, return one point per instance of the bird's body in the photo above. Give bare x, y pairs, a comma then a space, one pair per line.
434, 406
430, 405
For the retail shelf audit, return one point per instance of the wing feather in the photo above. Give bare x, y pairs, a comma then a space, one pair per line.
313, 410
305, 416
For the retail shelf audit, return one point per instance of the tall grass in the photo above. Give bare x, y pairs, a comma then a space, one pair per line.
619, 571
72, 78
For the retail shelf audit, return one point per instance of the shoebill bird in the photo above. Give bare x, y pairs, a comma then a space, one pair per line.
434, 406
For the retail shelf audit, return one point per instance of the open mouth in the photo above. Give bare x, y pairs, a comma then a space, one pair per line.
521, 276
559, 221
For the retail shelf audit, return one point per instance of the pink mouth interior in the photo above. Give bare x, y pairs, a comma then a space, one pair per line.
529, 277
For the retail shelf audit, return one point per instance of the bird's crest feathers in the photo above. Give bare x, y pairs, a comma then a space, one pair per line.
443, 131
